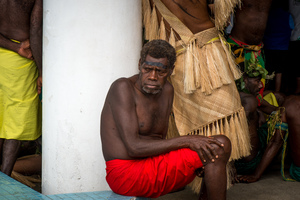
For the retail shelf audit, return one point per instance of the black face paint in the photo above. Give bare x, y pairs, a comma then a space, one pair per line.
157, 64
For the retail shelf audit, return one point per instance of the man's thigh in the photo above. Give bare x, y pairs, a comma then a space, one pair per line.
153, 176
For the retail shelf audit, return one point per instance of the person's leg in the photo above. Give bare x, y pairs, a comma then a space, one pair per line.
293, 67
9, 155
215, 177
29, 165
270, 67
1, 146
278, 77
292, 106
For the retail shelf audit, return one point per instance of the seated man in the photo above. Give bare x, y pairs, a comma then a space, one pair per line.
266, 142
134, 123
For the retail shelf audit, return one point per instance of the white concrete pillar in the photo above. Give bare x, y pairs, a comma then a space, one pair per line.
87, 45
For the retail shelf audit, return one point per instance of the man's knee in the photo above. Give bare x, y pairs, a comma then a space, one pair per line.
291, 114
280, 97
225, 151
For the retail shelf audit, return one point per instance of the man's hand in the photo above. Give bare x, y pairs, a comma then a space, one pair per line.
39, 84
205, 149
247, 178
25, 50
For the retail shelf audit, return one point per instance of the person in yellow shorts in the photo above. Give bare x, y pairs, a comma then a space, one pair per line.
20, 77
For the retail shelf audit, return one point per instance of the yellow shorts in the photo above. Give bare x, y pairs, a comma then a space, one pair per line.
20, 107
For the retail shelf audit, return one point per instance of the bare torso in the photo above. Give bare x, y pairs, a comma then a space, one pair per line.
152, 118
15, 18
250, 21
193, 14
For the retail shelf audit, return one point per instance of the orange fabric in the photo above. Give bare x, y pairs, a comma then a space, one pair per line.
154, 176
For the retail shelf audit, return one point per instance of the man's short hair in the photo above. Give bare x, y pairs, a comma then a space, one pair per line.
159, 49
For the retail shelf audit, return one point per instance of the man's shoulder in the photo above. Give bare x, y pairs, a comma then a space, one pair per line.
249, 101
121, 86
123, 82
244, 95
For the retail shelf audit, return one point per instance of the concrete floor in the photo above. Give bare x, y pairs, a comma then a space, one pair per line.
270, 187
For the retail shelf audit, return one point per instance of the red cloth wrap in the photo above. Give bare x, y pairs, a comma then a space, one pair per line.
154, 176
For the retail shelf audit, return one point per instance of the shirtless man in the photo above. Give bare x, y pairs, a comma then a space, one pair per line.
20, 35
248, 165
134, 124
252, 167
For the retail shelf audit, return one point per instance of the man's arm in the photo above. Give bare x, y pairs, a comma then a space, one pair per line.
267, 108
22, 48
8, 44
36, 32
250, 104
121, 99
271, 151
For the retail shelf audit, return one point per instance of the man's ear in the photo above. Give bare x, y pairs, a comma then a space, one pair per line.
171, 71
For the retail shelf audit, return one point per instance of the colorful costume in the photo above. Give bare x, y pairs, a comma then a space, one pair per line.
20, 107
153, 176
244, 54
206, 100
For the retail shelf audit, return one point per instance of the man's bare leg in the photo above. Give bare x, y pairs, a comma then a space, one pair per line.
9, 155
292, 106
278, 78
29, 165
1, 147
215, 178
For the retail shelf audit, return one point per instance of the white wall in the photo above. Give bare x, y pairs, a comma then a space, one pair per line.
87, 45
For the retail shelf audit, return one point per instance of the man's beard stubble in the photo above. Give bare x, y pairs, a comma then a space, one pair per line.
149, 91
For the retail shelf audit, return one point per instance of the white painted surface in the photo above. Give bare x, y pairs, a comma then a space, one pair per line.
87, 45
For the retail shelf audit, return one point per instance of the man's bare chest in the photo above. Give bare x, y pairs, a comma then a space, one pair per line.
152, 119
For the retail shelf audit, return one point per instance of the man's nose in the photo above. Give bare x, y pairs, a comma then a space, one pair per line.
153, 75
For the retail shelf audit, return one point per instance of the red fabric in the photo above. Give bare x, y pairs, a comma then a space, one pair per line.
260, 96
153, 176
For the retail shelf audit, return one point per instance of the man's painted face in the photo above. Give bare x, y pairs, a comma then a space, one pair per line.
253, 85
153, 74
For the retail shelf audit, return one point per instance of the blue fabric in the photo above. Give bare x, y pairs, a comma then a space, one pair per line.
283, 126
278, 30
292, 24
